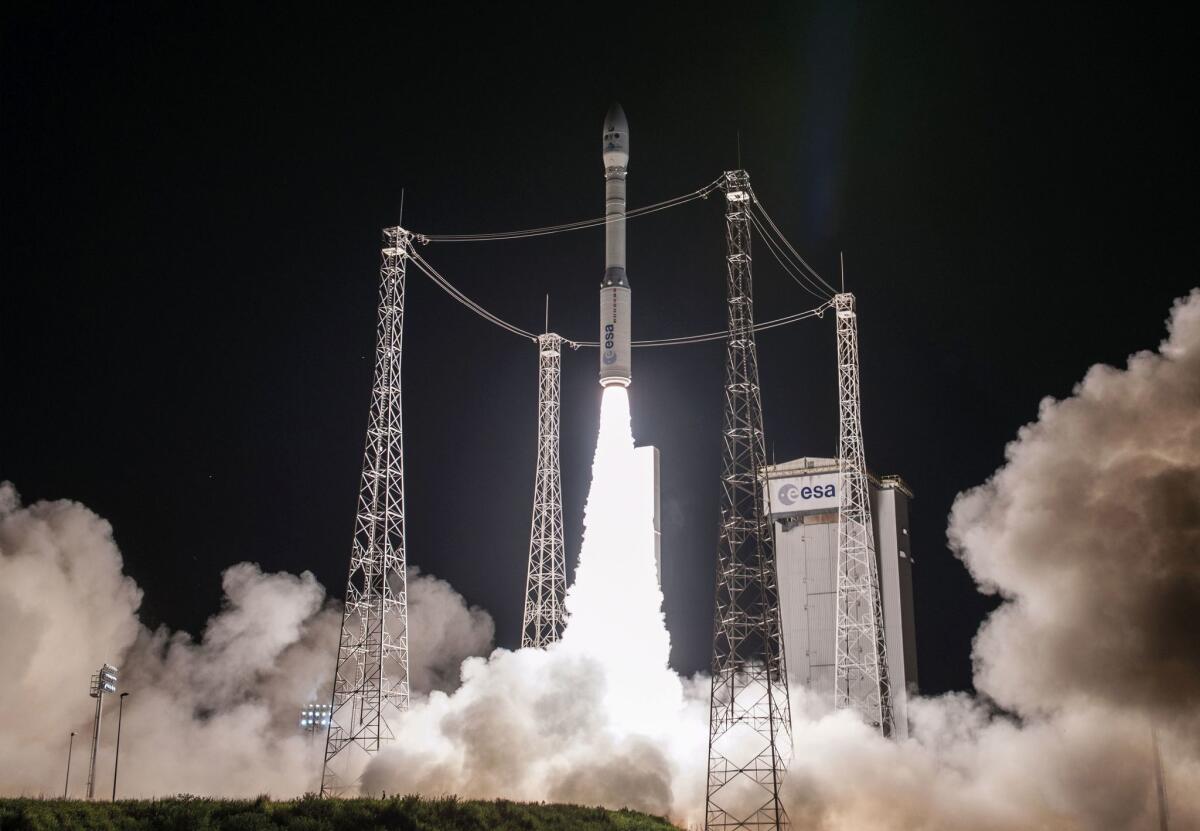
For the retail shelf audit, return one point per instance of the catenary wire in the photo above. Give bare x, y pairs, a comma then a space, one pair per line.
780, 237
579, 225
801, 279
712, 336
448, 287
775, 244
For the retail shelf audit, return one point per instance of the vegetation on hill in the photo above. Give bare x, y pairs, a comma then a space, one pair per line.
408, 813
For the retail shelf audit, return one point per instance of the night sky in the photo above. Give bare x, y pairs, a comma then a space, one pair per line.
192, 201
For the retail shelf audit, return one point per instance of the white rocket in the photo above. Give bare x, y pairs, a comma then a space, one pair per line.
615, 296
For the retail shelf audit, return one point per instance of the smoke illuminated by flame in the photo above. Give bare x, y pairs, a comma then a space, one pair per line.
598, 716
1088, 533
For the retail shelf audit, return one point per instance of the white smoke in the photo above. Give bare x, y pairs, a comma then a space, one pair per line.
1090, 534
218, 716
598, 716
1086, 656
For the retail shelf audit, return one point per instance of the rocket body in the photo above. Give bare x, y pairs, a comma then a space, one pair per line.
615, 296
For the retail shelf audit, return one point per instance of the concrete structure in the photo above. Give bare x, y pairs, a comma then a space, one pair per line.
803, 504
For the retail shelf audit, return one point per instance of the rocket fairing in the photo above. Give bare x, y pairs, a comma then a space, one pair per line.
615, 297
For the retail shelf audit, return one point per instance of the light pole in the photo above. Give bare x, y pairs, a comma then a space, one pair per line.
117, 753
103, 682
315, 718
70, 747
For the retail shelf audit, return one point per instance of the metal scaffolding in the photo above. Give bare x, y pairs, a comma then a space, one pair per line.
860, 653
546, 583
370, 683
750, 719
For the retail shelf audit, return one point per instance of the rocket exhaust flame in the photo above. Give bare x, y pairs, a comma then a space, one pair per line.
614, 607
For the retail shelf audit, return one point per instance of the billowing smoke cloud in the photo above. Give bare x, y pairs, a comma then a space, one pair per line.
1091, 531
1090, 534
442, 630
598, 716
217, 716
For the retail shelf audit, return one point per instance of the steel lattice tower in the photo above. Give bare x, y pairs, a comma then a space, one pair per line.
750, 721
545, 585
860, 653
370, 684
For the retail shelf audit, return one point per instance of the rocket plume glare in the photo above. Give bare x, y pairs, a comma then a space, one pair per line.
598, 713
1089, 533
614, 606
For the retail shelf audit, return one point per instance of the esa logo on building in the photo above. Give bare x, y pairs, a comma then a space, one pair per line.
790, 494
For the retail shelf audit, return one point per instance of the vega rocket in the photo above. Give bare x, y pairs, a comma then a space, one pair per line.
615, 296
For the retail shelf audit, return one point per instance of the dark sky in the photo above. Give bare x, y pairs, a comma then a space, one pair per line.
192, 199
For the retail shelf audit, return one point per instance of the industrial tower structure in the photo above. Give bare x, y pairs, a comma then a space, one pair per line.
860, 651
750, 721
370, 684
546, 584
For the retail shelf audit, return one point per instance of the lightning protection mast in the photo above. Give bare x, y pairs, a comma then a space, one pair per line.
750, 721
545, 585
860, 652
370, 683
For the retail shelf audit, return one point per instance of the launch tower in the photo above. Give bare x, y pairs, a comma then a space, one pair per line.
546, 583
750, 718
860, 650
370, 683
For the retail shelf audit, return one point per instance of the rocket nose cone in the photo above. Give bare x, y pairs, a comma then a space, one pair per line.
615, 139
615, 121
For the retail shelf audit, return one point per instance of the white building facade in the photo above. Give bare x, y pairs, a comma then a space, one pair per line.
802, 501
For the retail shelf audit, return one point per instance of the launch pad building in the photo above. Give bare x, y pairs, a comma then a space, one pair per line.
802, 502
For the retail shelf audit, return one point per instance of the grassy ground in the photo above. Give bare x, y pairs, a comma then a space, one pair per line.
409, 813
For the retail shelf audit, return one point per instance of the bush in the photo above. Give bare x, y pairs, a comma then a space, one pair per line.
311, 813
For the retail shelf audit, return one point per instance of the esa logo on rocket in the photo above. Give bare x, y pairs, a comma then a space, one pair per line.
609, 357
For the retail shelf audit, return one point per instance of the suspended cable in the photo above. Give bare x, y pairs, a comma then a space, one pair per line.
801, 279
445, 285
713, 336
572, 226
433, 274
781, 238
